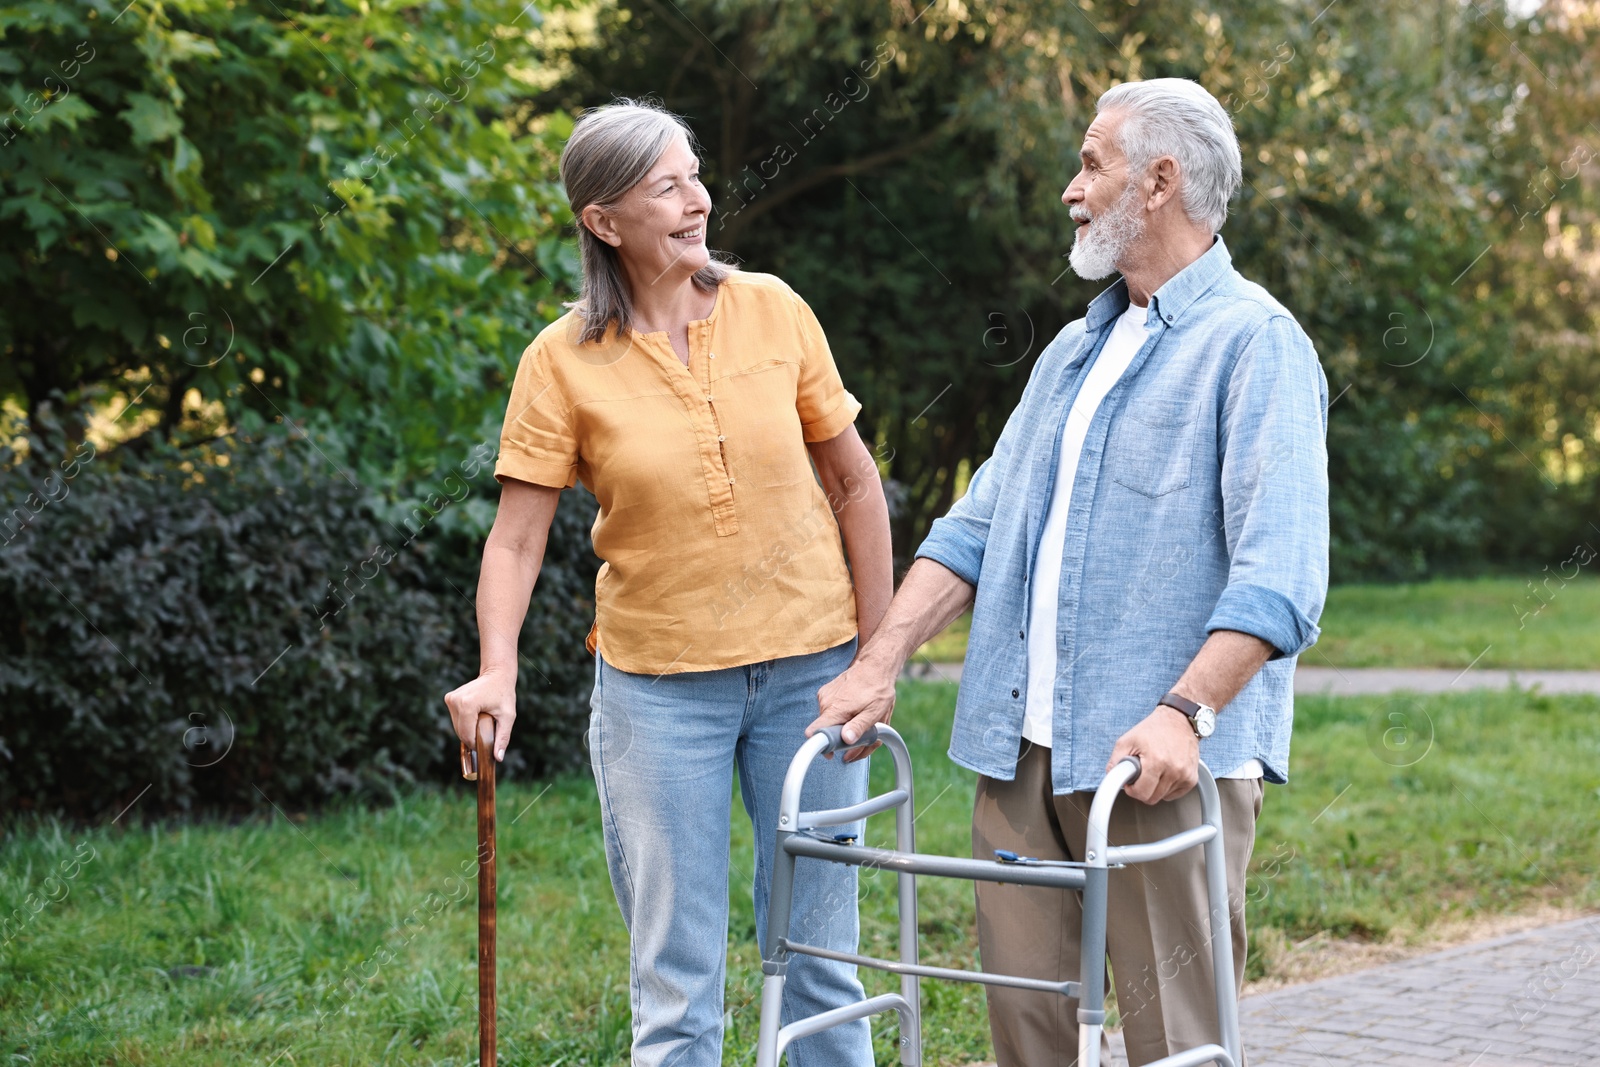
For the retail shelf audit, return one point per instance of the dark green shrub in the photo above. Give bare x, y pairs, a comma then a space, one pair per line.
249, 629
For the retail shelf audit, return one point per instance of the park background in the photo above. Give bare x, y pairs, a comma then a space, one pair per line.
268, 270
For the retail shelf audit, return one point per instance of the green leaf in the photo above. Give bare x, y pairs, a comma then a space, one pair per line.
151, 120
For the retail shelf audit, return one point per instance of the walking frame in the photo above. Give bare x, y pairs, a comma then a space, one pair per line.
799, 835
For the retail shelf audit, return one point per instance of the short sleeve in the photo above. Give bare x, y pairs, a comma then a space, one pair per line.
537, 443
826, 407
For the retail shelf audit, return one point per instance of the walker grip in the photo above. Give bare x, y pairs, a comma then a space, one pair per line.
834, 734
1137, 768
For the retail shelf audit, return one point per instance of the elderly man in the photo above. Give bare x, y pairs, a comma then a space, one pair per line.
1145, 554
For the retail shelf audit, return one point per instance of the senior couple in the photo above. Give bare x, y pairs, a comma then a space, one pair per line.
1144, 554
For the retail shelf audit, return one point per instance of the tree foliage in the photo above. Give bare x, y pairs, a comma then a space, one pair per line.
240, 213
1419, 192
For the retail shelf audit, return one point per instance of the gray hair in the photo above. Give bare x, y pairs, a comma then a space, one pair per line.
610, 151
1177, 117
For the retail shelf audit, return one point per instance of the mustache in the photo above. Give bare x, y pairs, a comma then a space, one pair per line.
1079, 213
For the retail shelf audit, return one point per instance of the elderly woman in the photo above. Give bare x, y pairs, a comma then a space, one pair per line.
688, 396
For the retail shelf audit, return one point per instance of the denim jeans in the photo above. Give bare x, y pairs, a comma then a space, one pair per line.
663, 749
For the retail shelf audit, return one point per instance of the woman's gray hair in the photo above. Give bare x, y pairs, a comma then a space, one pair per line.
1177, 117
610, 151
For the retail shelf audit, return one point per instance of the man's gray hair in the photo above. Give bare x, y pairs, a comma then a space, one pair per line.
610, 151
1177, 117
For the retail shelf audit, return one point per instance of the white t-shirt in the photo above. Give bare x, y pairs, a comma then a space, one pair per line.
1127, 337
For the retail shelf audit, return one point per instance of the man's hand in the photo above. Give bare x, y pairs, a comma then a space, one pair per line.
1169, 756
862, 696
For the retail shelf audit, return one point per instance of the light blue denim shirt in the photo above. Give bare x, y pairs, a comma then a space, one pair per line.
1200, 504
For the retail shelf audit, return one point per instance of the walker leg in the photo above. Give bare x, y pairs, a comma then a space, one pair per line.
1092, 1004
771, 1020
1221, 924
906, 883
775, 962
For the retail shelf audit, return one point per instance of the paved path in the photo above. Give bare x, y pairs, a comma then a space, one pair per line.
1354, 681
1527, 1000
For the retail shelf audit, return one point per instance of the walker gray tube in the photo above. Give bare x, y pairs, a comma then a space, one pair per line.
1092, 1004
775, 964
815, 1024
1094, 849
767, 1049
1160, 850
1194, 1057
1221, 928
1092, 986
795, 780
782, 901
854, 813
1039, 985
905, 840
938, 866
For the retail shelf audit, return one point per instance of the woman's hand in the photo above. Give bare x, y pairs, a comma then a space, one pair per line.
492, 691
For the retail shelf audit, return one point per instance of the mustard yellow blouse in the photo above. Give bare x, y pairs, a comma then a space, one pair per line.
719, 545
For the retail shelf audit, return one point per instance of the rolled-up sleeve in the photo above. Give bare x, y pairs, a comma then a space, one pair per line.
1275, 490
537, 442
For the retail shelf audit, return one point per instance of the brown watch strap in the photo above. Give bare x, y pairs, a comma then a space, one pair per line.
1178, 703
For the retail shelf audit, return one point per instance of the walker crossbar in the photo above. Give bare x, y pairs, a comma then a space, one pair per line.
938, 866
810, 820
1043, 985
837, 1017
795, 838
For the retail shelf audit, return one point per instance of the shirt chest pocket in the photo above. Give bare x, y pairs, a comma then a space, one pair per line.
1150, 448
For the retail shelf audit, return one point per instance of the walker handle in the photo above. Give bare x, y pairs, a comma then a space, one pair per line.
835, 737
1137, 768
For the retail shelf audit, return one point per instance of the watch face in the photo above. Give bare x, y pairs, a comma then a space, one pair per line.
1205, 721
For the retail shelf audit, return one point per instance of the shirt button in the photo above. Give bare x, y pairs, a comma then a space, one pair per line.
1019, 634
720, 437
708, 397
713, 355
1016, 692
730, 481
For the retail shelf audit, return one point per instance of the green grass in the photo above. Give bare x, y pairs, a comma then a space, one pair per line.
273, 921
1508, 621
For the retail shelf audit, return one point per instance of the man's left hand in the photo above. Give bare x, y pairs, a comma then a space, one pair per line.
1169, 756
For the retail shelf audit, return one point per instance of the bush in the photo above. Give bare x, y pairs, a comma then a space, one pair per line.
241, 627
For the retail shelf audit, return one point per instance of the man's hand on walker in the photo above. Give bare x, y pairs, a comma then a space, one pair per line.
862, 696
494, 692
1169, 756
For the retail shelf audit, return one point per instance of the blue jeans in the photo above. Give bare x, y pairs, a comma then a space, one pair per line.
663, 749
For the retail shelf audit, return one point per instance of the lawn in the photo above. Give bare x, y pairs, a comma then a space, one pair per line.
1535, 621
207, 944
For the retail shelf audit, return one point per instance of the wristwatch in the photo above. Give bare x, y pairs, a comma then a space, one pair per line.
1202, 717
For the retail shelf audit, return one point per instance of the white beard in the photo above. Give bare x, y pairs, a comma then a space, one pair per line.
1098, 251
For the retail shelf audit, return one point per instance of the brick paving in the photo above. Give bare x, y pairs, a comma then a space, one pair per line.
1526, 1000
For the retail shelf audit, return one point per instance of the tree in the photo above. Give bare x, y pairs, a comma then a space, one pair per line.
231, 214
1385, 147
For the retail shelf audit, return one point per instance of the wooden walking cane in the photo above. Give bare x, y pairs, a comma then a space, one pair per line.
478, 765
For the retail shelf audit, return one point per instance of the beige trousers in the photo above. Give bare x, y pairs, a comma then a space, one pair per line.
1157, 932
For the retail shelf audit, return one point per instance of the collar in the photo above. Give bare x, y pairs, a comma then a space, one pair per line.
1169, 302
